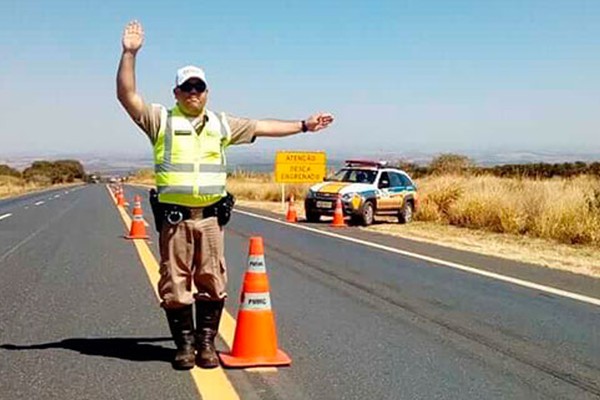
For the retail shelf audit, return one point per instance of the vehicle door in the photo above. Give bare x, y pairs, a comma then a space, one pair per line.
397, 190
384, 201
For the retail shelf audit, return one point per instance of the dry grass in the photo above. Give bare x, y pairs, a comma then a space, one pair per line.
565, 210
261, 186
13, 186
557, 218
243, 184
143, 176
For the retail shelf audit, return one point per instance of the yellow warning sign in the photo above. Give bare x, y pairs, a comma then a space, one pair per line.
300, 166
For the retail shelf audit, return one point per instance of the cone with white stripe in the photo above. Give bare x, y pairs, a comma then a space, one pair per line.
120, 198
137, 205
255, 340
138, 225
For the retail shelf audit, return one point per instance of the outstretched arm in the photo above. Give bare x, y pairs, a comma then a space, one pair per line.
275, 128
133, 37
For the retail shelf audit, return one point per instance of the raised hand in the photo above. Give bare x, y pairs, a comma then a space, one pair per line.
319, 121
133, 37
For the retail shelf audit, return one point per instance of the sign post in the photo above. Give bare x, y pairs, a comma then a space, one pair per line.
299, 167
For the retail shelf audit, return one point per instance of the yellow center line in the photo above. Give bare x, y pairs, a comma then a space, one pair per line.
210, 383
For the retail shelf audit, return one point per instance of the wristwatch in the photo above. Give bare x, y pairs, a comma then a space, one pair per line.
304, 126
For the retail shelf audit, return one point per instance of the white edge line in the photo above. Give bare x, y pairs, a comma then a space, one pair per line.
465, 268
5, 216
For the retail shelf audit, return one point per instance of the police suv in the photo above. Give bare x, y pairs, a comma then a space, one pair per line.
366, 189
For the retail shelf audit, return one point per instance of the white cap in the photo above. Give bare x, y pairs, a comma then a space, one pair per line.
189, 72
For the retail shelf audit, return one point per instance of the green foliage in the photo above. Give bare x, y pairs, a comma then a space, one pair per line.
456, 164
61, 171
5, 170
543, 170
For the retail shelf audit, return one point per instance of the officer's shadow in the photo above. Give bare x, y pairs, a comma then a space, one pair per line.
133, 349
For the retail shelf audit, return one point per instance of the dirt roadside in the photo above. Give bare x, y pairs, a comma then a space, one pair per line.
582, 260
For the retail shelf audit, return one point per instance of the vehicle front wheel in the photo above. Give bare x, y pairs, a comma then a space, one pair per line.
312, 216
405, 214
367, 214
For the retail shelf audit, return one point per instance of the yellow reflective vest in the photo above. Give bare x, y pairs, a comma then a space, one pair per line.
190, 168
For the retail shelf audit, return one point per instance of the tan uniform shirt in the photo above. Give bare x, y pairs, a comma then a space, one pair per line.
242, 129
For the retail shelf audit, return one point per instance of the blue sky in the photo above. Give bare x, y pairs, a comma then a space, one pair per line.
444, 75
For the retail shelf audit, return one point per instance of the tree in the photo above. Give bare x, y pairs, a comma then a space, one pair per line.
6, 170
449, 163
61, 171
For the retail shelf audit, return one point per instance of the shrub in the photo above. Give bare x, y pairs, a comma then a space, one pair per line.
566, 210
450, 163
6, 170
61, 171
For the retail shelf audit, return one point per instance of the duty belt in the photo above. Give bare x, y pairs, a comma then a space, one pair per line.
175, 214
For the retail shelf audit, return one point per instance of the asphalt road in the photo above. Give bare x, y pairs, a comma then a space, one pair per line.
80, 320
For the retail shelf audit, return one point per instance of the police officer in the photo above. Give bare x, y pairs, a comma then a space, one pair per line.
189, 142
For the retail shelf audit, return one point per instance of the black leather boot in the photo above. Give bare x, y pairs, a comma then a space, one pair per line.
181, 323
208, 315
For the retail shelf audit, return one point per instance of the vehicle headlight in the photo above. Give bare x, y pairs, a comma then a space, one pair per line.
310, 194
347, 196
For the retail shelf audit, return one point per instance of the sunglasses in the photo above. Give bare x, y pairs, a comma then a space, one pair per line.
187, 87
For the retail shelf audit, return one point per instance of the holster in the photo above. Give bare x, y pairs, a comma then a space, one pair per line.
163, 212
223, 209
157, 209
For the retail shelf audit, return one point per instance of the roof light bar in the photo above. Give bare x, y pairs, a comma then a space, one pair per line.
366, 163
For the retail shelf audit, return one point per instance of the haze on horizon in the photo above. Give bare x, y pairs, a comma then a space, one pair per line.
421, 75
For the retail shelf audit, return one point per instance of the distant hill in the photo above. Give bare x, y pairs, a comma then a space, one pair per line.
262, 160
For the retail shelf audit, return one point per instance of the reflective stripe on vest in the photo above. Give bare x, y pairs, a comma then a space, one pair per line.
190, 168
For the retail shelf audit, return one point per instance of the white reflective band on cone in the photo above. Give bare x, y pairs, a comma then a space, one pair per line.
256, 302
138, 218
256, 264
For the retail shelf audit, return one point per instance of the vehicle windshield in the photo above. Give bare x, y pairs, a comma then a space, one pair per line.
354, 176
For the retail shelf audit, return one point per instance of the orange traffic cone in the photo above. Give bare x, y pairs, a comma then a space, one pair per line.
138, 226
120, 198
338, 215
291, 215
255, 340
137, 205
